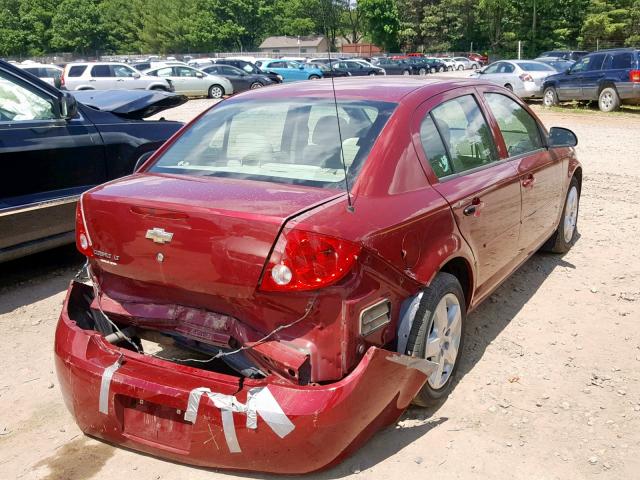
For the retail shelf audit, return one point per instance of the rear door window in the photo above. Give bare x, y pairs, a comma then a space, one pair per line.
465, 134
77, 70
519, 129
434, 148
596, 62
101, 71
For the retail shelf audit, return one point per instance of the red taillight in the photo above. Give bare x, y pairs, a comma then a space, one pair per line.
62, 79
83, 238
634, 76
307, 261
525, 77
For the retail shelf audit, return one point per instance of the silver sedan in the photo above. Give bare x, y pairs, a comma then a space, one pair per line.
193, 82
523, 77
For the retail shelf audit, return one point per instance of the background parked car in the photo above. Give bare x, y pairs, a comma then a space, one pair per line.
574, 55
467, 63
53, 148
45, 71
436, 65
558, 64
240, 80
289, 70
523, 77
477, 57
109, 76
392, 67
330, 71
249, 67
358, 69
611, 77
193, 82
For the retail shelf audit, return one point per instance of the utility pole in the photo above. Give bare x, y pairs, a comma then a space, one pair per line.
533, 27
519, 49
471, 50
597, 44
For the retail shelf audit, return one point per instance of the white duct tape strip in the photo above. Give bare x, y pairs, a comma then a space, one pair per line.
105, 384
260, 401
425, 366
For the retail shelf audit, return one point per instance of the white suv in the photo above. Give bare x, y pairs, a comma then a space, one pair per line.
109, 76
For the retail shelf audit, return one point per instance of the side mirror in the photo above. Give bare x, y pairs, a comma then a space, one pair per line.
200, 75
136, 75
301, 67
143, 158
562, 137
68, 106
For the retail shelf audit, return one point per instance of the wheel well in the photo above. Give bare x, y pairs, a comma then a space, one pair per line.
606, 84
459, 268
578, 176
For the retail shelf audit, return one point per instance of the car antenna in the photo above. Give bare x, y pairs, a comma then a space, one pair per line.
350, 207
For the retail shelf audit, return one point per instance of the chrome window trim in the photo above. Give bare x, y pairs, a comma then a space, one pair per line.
38, 205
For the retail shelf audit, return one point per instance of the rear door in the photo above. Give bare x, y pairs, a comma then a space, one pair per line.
457, 145
46, 162
101, 78
539, 170
592, 76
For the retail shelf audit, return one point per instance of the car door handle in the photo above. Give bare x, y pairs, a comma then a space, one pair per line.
120, 80
528, 181
92, 79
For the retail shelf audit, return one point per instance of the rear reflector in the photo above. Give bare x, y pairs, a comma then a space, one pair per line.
634, 76
83, 239
306, 261
525, 77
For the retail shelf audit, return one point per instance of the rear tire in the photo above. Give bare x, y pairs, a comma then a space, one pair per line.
460, 67
565, 235
441, 69
314, 77
609, 100
437, 334
216, 91
255, 85
550, 97
406, 72
422, 71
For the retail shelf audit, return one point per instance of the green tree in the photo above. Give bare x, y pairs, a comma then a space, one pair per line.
35, 21
12, 39
76, 27
382, 22
121, 22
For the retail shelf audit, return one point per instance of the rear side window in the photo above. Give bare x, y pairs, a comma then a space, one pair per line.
534, 67
434, 148
465, 133
622, 60
101, 71
77, 70
519, 129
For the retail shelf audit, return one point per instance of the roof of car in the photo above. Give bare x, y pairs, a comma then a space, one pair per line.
387, 89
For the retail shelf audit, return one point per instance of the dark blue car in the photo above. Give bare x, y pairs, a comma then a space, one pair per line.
55, 145
610, 77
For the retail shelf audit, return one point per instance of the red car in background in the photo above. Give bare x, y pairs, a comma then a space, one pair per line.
477, 57
278, 282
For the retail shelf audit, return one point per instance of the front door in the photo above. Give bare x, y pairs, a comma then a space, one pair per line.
539, 170
570, 84
458, 144
46, 163
592, 77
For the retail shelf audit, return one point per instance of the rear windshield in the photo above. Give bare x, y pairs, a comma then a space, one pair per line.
292, 141
534, 67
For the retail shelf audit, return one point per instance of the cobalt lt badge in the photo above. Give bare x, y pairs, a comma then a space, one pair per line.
159, 235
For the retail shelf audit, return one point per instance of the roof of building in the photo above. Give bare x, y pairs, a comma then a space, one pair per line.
292, 42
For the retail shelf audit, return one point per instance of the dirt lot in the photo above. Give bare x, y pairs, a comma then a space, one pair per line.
549, 387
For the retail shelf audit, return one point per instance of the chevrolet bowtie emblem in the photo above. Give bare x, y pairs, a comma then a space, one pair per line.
159, 235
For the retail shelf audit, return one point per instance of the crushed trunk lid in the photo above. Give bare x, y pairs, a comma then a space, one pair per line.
132, 104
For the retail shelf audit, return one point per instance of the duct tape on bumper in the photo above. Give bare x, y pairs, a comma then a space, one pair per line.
260, 401
105, 384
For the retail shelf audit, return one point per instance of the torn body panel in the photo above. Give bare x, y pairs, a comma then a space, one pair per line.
263, 424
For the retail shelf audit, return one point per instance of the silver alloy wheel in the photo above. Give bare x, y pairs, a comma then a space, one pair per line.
422, 71
255, 85
606, 100
570, 214
406, 72
443, 340
216, 92
549, 98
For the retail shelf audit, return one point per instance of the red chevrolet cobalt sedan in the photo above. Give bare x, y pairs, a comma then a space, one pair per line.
292, 269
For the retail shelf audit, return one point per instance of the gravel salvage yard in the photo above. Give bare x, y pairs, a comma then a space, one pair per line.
549, 387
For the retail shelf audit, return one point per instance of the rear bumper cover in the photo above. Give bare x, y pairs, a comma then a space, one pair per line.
214, 420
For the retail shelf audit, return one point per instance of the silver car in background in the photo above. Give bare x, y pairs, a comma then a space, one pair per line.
466, 63
192, 82
525, 78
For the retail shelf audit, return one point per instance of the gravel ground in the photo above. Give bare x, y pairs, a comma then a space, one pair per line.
549, 386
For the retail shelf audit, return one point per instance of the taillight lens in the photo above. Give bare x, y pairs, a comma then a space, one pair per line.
634, 76
307, 261
525, 77
83, 239
62, 79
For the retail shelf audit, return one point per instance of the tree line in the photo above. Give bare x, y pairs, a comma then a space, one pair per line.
88, 27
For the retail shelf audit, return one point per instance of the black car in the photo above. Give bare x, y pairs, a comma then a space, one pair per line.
250, 68
330, 71
241, 80
358, 69
392, 67
574, 55
610, 77
54, 145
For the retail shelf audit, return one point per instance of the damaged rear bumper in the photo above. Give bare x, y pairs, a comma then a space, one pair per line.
216, 420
